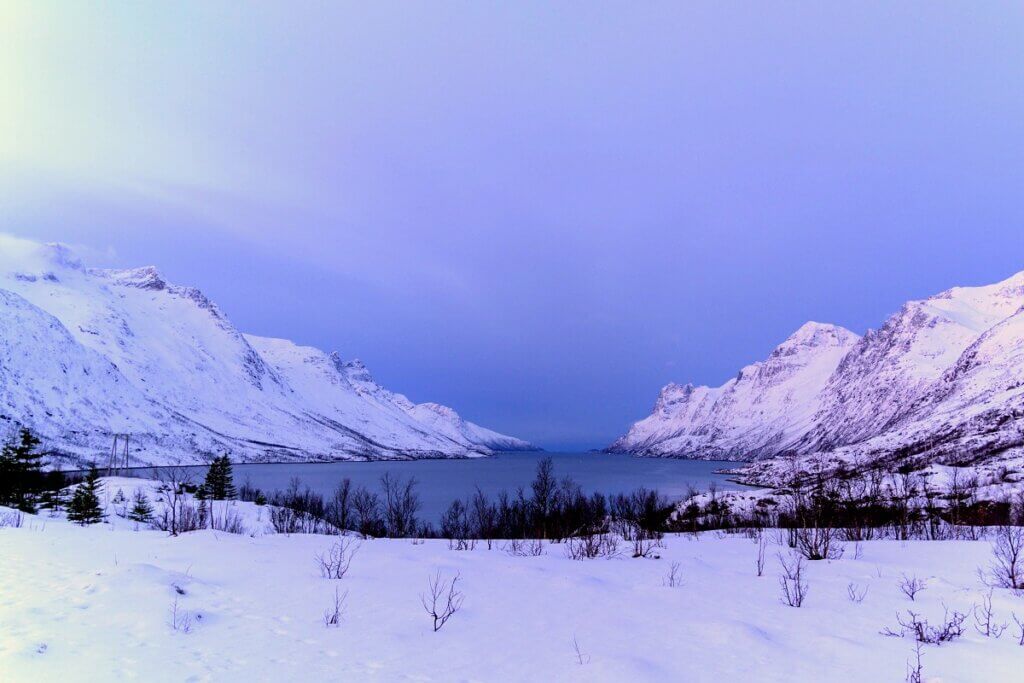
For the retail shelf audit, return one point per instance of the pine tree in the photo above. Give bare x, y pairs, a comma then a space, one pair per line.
84, 507
21, 476
219, 483
228, 490
141, 510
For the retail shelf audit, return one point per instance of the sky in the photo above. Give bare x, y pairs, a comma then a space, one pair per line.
538, 213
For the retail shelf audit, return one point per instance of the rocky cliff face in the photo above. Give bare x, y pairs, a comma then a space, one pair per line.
86, 353
940, 382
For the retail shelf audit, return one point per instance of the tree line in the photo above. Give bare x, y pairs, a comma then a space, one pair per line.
549, 508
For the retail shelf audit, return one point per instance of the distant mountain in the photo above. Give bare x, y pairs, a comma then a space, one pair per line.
86, 353
941, 382
766, 408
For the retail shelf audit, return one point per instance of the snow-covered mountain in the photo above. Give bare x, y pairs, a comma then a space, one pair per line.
941, 381
763, 410
86, 353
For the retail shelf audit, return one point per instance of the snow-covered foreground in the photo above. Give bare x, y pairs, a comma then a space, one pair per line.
95, 604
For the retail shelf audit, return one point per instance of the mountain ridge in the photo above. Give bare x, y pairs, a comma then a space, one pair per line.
942, 380
129, 352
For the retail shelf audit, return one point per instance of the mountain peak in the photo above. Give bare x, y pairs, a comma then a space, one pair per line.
813, 333
33, 259
145, 277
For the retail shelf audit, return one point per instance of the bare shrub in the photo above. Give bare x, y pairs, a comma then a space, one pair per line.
333, 615
455, 526
284, 520
915, 670
645, 544
855, 594
640, 519
1007, 567
289, 520
338, 512
14, 519
809, 515
401, 503
299, 510
334, 563
762, 548
1020, 625
181, 517
589, 546
817, 543
581, 657
484, 517
674, 577
950, 628
181, 620
791, 581
983, 618
443, 599
229, 520
524, 548
179, 514
911, 586
369, 519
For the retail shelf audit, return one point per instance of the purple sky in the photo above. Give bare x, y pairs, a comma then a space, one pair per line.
535, 213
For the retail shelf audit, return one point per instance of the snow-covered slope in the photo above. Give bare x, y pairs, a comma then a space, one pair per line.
941, 382
899, 372
763, 410
86, 353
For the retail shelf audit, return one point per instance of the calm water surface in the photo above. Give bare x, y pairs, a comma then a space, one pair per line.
440, 481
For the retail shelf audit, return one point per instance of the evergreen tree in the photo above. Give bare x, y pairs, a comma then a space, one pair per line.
228, 490
219, 483
21, 476
84, 507
141, 510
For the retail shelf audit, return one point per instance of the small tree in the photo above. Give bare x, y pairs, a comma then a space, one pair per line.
791, 581
21, 476
1007, 567
141, 510
339, 511
543, 487
911, 586
443, 600
177, 515
219, 483
401, 503
334, 563
84, 507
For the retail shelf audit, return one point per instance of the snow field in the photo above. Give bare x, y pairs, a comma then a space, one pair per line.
97, 604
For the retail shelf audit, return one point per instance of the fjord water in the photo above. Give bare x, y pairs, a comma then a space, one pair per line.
441, 481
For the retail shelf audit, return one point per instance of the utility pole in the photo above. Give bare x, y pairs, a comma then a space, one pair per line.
118, 457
